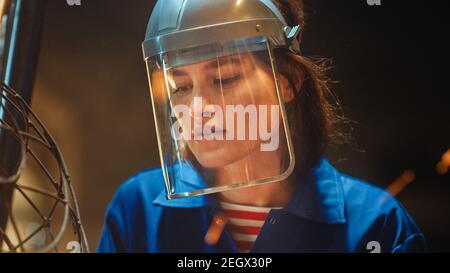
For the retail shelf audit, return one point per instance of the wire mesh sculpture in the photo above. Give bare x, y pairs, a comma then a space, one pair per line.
37, 201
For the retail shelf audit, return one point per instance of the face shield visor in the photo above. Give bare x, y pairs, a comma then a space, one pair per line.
220, 117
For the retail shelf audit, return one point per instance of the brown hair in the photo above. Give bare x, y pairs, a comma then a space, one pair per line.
313, 114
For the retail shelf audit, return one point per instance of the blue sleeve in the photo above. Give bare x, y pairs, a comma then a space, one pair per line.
408, 236
131, 222
397, 231
414, 243
376, 218
111, 236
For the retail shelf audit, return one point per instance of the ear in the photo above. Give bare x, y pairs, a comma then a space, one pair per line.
287, 90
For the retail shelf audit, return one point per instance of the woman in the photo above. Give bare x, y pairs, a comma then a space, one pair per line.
243, 121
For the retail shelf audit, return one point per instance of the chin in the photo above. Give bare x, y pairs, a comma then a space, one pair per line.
219, 155
215, 159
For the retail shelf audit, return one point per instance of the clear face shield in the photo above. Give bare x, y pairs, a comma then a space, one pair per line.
220, 117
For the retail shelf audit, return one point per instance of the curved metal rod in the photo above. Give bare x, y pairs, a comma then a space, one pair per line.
64, 195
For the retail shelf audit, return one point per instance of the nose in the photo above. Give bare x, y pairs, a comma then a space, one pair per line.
200, 114
200, 100
200, 108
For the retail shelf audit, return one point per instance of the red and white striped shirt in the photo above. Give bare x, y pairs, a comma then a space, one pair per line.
245, 223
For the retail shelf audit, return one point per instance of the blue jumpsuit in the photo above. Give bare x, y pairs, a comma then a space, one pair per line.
329, 212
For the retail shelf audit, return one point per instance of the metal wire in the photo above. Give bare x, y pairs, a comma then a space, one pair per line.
21, 123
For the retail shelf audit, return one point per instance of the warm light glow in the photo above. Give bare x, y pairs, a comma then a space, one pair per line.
446, 158
444, 165
216, 228
441, 168
402, 182
158, 87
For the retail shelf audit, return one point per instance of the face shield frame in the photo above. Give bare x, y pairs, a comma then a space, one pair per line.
173, 27
170, 167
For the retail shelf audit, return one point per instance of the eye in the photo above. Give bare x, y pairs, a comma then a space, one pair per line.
227, 82
183, 88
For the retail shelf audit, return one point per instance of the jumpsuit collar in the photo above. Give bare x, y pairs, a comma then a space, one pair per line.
319, 197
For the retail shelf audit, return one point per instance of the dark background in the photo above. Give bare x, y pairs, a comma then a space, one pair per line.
390, 61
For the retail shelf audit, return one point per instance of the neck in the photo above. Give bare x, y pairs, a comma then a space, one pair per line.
260, 196
275, 194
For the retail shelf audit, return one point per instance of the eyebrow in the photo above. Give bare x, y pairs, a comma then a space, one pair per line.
211, 65
223, 61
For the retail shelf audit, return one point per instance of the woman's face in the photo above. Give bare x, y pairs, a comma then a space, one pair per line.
231, 106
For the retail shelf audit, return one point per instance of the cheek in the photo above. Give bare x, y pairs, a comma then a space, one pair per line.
259, 89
